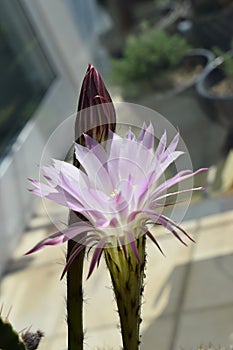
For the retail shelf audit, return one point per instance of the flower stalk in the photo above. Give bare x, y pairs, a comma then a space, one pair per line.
75, 300
102, 117
127, 278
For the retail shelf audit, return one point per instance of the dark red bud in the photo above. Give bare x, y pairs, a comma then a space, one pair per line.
98, 120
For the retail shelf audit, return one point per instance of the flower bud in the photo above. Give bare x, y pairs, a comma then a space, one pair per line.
96, 114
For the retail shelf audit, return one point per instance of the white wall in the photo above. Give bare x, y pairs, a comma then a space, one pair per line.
69, 56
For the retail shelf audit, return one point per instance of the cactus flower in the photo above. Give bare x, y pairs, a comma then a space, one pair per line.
117, 190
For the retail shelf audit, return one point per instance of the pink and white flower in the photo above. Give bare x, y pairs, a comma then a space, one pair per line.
118, 190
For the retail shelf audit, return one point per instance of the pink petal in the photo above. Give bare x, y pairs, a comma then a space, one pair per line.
167, 223
161, 146
179, 192
148, 138
76, 250
142, 133
96, 255
181, 176
54, 239
61, 237
122, 243
130, 135
171, 148
79, 248
142, 190
133, 246
94, 168
96, 148
149, 234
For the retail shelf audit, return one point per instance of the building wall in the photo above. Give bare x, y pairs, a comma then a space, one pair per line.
69, 56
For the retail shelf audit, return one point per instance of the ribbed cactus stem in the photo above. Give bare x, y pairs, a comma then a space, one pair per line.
127, 279
9, 338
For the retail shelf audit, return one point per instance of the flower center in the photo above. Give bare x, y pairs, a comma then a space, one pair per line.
114, 193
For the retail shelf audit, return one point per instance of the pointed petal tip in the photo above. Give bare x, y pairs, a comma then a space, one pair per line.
96, 256
150, 235
31, 251
90, 67
89, 273
200, 170
133, 246
63, 274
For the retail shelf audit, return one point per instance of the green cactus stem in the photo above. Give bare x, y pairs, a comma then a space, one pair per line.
127, 279
9, 338
75, 300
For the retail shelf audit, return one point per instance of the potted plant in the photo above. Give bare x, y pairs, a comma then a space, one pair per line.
160, 71
215, 90
147, 59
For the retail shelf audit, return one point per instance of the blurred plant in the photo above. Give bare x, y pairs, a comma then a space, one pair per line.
227, 57
5, 113
146, 57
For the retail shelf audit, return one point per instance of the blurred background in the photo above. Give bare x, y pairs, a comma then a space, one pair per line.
174, 57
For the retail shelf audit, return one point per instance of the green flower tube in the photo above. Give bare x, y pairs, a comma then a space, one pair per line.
127, 280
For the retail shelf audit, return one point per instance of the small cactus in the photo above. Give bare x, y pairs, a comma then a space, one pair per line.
9, 338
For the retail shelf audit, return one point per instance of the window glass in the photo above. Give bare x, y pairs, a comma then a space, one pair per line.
25, 72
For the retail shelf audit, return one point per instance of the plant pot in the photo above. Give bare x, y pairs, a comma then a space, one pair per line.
181, 107
218, 107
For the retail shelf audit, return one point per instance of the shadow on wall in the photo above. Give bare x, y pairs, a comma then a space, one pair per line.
199, 310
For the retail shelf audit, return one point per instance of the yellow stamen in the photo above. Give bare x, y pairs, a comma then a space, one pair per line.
114, 193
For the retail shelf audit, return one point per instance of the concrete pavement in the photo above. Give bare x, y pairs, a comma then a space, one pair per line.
188, 299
